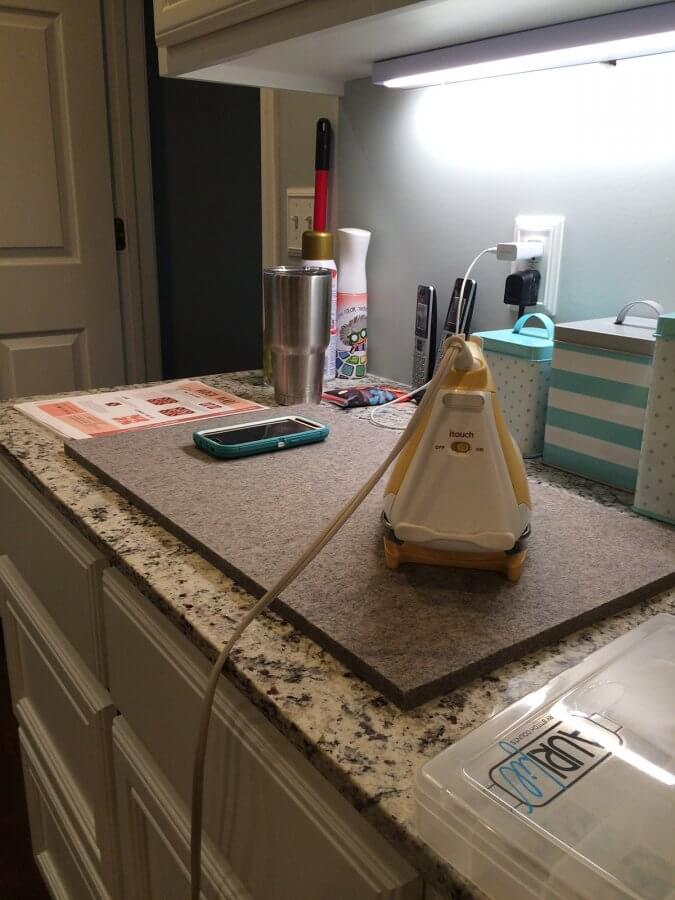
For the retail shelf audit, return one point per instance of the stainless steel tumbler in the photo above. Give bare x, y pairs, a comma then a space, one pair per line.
297, 330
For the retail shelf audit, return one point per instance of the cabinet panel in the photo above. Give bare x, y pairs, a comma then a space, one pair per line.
155, 832
25, 358
67, 714
32, 215
284, 830
61, 858
186, 16
61, 567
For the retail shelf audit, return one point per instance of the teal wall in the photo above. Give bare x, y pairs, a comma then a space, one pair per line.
440, 173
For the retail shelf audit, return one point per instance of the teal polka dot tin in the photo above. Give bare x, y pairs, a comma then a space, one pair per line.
520, 362
655, 490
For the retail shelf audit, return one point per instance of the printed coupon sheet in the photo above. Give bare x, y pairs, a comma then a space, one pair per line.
92, 415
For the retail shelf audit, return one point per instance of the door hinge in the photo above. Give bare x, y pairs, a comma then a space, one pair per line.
120, 235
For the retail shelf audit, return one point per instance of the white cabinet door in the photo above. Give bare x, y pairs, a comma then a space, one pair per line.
155, 832
283, 829
60, 321
62, 860
67, 715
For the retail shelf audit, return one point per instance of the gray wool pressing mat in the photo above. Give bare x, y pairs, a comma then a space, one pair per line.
413, 633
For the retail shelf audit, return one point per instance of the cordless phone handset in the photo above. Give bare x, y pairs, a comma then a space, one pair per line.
424, 355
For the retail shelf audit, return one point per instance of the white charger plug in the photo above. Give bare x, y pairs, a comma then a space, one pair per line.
516, 250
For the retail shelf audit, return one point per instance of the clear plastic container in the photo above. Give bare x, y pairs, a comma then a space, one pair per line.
570, 792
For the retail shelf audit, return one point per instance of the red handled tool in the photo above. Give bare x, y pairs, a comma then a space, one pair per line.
321, 170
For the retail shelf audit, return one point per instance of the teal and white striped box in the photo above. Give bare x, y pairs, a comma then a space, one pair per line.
602, 369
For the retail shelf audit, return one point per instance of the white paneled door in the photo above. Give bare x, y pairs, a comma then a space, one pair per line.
60, 324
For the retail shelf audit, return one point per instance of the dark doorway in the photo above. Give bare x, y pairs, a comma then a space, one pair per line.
206, 181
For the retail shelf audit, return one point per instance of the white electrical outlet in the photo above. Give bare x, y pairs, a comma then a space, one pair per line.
299, 217
549, 230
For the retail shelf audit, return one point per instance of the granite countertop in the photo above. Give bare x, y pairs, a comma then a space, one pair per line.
366, 747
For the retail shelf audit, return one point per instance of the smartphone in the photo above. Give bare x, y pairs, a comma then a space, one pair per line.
451, 325
262, 436
424, 354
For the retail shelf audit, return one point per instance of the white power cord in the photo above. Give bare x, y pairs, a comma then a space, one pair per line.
377, 409
454, 345
460, 301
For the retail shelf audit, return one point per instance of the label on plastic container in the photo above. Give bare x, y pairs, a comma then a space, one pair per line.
352, 335
532, 766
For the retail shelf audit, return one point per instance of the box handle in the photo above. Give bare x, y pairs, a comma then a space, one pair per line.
621, 315
545, 321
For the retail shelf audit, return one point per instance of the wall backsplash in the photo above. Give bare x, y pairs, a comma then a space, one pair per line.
440, 173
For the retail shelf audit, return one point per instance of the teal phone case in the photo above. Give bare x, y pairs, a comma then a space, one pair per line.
266, 445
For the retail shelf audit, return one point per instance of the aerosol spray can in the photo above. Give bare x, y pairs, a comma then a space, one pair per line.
352, 304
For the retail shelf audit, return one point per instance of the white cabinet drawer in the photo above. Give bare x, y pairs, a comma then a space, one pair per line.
62, 859
285, 831
63, 569
67, 713
155, 832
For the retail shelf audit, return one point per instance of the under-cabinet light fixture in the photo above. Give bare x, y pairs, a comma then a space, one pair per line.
606, 38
